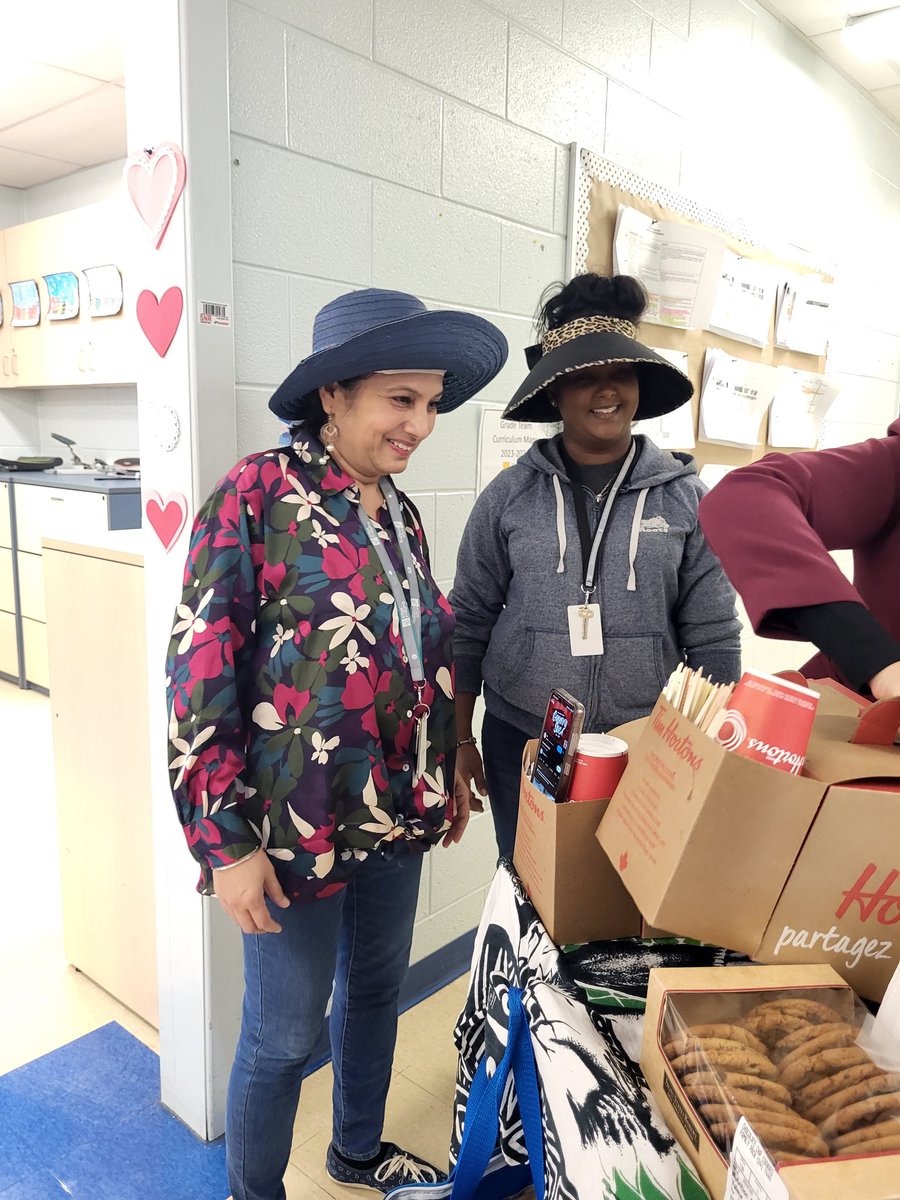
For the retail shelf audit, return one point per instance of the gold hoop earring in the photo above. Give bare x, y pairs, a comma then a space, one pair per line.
328, 433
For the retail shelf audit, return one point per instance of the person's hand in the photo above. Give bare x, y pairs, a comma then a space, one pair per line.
469, 772
886, 684
241, 890
460, 818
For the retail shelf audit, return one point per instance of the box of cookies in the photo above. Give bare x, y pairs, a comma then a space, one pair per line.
785, 868
785, 1048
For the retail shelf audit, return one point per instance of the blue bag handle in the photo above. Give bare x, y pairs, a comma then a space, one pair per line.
483, 1109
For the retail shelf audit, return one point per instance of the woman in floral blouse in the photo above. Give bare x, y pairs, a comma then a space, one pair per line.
312, 725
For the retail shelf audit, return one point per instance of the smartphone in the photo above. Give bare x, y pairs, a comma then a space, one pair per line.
559, 740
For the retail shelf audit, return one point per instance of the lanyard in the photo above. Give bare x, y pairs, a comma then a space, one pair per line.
409, 612
591, 548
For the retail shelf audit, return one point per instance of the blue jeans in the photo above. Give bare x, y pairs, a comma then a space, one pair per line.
359, 940
502, 746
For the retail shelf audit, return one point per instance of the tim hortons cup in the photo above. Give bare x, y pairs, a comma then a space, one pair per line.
769, 720
600, 762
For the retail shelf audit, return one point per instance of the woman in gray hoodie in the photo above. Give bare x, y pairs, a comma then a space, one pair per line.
584, 566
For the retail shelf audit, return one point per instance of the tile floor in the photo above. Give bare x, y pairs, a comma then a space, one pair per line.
46, 1004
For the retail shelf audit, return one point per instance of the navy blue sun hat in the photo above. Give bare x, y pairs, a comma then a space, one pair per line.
378, 330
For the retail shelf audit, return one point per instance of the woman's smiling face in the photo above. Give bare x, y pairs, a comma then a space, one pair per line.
597, 406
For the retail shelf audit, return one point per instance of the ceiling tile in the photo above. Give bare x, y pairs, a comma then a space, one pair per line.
28, 88
81, 37
89, 130
811, 16
866, 74
25, 170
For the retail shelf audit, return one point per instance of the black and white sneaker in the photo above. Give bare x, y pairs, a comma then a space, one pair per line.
395, 1167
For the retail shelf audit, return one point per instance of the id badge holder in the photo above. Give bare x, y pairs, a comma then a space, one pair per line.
585, 630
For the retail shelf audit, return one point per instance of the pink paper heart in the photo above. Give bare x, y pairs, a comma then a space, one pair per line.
167, 517
159, 318
155, 181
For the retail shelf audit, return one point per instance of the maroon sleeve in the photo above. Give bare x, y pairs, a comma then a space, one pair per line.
773, 523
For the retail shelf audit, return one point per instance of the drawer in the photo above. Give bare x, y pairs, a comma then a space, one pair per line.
7, 592
5, 531
34, 643
31, 586
57, 512
9, 653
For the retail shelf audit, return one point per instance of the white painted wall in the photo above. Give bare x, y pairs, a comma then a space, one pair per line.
10, 206
421, 145
103, 422
88, 186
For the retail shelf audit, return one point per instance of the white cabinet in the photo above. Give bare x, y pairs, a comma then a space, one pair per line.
9, 653
42, 512
84, 350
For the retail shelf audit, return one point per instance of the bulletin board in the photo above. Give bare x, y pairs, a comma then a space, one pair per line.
597, 188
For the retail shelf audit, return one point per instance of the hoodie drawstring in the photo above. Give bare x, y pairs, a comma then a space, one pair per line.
635, 535
560, 525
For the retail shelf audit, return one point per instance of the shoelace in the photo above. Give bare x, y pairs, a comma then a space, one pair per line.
418, 1172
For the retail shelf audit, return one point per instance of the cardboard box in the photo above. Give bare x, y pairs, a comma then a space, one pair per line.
780, 867
569, 879
699, 994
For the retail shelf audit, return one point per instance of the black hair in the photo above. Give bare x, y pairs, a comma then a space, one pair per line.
591, 295
310, 415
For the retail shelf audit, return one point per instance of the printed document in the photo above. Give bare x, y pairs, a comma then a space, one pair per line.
734, 398
679, 265
803, 314
745, 299
802, 400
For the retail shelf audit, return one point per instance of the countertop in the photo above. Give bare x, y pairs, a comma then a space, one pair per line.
86, 482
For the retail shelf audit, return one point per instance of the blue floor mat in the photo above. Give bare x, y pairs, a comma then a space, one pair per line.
85, 1122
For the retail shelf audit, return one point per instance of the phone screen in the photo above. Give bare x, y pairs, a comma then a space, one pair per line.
555, 738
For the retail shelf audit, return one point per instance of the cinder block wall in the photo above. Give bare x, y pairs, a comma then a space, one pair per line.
422, 144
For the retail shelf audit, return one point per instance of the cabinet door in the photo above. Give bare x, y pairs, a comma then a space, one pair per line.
9, 652
34, 639
7, 591
31, 586
57, 512
5, 530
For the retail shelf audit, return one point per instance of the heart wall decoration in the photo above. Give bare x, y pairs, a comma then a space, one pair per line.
167, 517
155, 181
159, 319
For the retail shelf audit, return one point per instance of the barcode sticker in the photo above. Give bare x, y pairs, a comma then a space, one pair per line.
214, 314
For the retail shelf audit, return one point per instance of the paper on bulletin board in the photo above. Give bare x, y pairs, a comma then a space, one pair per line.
675, 430
502, 443
713, 473
679, 265
745, 299
803, 314
801, 403
734, 399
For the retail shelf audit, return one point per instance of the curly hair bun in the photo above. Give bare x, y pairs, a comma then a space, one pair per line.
591, 295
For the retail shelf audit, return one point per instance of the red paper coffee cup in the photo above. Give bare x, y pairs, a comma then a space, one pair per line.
769, 720
600, 762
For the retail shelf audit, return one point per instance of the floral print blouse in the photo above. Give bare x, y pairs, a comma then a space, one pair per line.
290, 696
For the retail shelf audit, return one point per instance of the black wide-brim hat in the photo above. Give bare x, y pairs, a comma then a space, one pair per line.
377, 330
594, 342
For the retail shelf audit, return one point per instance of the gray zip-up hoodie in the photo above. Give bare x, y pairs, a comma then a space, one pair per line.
663, 595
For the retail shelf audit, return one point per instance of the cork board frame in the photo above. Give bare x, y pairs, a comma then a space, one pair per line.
597, 187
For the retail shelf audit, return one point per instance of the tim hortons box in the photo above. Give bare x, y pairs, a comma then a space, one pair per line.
570, 881
819, 1149
783, 868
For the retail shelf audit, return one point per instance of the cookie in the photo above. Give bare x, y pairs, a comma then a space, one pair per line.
858, 1115
731, 1033
870, 1133
717, 1113
777, 1137
884, 1145
814, 1093
875, 1085
737, 1079
734, 1058
802, 1036
770, 1028
742, 1098
809, 1010
690, 1045
829, 1037
826, 1062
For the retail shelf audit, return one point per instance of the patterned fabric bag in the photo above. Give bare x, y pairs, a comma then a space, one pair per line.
552, 1037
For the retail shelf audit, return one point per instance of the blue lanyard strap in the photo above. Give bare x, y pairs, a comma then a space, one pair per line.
409, 612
